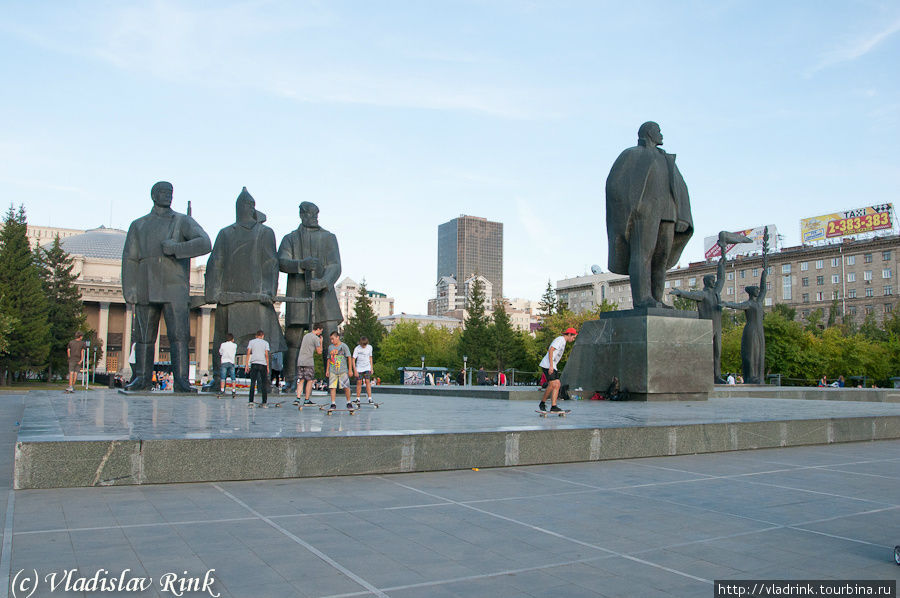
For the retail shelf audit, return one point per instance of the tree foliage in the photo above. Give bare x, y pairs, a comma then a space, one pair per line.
549, 303
364, 322
65, 309
405, 345
22, 299
475, 342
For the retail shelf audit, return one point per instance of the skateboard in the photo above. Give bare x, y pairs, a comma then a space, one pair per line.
329, 411
562, 413
263, 405
301, 406
360, 405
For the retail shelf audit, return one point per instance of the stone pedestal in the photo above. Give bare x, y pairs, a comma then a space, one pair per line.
658, 355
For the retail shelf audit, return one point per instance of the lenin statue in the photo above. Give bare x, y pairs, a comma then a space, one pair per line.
242, 280
312, 261
156, 280
648, 216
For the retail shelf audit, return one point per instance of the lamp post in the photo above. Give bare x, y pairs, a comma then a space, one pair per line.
465, 368
424, 379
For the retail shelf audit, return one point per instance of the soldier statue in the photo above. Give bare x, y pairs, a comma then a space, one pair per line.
242, 280
312, 261
156, 281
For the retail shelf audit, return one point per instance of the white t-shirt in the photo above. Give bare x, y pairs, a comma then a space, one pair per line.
227, 350
257, 349
363, 357
559, 345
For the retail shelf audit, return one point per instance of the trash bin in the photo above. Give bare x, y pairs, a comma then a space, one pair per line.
896, 381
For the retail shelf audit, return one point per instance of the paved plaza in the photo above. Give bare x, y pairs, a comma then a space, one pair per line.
663, 526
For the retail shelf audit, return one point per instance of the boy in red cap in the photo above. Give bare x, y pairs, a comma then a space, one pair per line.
548, 366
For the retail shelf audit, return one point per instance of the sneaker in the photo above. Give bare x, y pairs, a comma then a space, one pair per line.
296, 402
542, 406
266, 406
333, 407
350, 406
555, 409
251, 404
308, 402
370, 400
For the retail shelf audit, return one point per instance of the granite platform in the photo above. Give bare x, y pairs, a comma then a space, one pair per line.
102, 438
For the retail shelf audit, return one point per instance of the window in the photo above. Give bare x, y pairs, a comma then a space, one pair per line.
851, 260
820, 296
743, 273
820, 280
805, 313
867, 275
888, 308
886, 255
804, 266
768, 302
729, 291
835, 262
888, 290
668, 284
870, 292
805, 297
786, 287
768, 285
851, 276
804, 282
677, 283
835, 278
867, 258
835, 295
820, 264
886, 273
769, 270
692, 281
730, 276
785, 268
755, 272
852, 310
870, 309
851, 294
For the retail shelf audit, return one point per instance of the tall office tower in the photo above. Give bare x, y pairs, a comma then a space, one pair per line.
470, 245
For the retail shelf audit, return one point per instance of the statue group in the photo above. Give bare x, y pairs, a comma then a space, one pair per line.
241, 280
648, 221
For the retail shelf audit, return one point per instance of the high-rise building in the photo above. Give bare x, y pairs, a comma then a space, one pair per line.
471, 245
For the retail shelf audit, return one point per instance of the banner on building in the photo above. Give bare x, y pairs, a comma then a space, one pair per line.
711, 248
845, 224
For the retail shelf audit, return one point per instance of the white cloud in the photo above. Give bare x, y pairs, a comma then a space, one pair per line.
856, 48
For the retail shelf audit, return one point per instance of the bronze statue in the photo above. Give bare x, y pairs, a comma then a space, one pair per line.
156, 280
753, 339
648, 216
312, 261
709, 300
242, 280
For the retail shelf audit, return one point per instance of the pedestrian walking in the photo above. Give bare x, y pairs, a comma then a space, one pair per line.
258, 367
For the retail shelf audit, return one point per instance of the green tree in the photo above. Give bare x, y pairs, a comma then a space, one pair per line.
65, 309
789, 313
549, 303
7, 324
364, 322
833, 312
399, 348
475, 341
21, 297
814, 321
683, 303
506, 346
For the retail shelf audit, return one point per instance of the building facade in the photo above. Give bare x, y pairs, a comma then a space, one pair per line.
422, 320
347, 292
584, 293
470, 245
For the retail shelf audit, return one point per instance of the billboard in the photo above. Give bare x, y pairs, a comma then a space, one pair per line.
711, 248
844, 224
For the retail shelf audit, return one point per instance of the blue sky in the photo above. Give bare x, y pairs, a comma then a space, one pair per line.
395, 117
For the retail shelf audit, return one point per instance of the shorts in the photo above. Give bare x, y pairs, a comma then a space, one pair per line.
551, 377
338, 381
363, 375
226, 370
306, 372
74, 366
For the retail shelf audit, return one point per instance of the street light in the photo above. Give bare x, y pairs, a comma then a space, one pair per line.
423, 362
465, 368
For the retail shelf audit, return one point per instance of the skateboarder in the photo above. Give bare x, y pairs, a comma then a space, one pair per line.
340, 368
548, 366
365, 364
306, 370
75, 354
